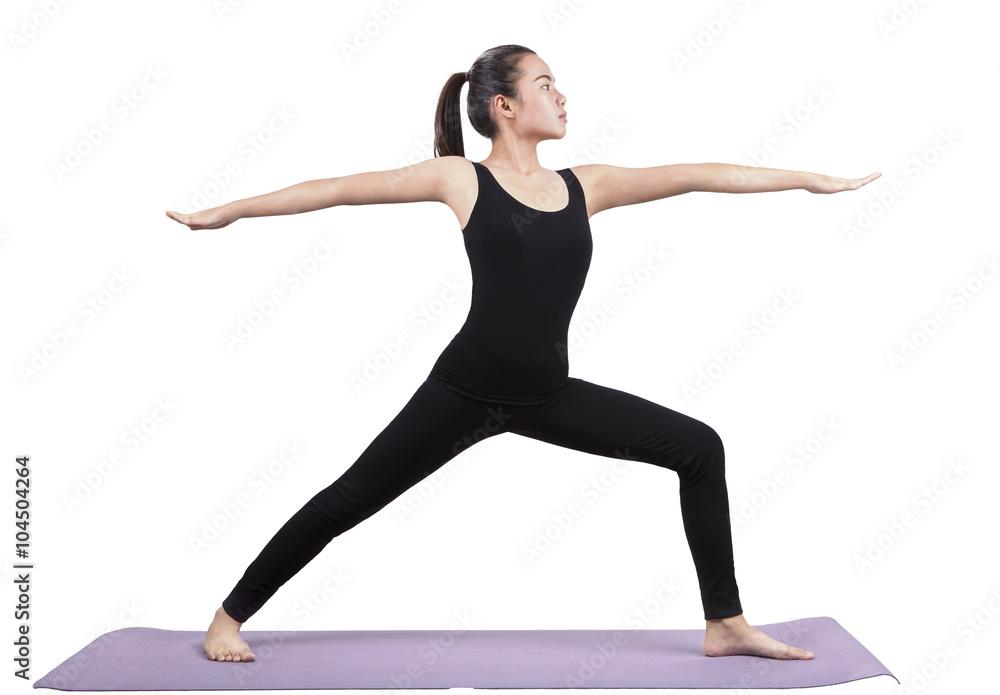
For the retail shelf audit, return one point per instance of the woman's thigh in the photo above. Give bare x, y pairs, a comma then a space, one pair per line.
609, 422
434, 426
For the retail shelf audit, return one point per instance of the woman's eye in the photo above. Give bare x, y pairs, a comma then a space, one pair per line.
545, 85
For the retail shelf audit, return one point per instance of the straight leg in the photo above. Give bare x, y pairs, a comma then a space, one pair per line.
433, 427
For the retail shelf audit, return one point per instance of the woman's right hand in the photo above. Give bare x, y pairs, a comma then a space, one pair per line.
212, 218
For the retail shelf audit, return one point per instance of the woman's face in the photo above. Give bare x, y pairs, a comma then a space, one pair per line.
540, 105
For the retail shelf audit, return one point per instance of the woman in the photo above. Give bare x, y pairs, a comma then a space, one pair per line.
527, 234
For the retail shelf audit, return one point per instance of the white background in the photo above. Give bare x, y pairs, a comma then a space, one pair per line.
362, 98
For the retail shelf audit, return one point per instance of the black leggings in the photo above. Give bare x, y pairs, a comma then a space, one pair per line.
437, 424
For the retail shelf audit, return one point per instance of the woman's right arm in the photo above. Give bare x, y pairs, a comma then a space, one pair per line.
424, 181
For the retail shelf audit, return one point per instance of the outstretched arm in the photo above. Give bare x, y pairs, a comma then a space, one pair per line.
613, 186
733, 178
426, 180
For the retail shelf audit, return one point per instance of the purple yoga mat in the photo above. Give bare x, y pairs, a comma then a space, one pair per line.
146, 658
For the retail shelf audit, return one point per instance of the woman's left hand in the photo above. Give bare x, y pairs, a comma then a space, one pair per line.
834, 184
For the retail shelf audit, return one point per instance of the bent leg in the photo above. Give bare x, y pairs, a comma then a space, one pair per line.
433, 427
608, 422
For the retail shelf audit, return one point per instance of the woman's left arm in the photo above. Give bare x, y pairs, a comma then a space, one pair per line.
608, 186
734, 178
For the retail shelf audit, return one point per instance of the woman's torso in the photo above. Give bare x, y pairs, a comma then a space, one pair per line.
528, 269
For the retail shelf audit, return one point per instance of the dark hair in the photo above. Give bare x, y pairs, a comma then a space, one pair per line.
494, 72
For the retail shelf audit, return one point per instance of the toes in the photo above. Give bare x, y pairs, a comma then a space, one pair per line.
222, 655
789, 652
798, 653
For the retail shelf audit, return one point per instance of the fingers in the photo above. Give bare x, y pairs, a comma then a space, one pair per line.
853, 184
185, 219
870, 178
178, 217
202, 219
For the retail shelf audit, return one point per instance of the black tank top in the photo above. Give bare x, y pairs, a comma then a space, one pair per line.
528, 269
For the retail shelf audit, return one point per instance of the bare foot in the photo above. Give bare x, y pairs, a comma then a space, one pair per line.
223, 643
729, 636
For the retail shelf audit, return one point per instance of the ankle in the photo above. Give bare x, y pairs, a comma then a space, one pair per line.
221, 615
725, 623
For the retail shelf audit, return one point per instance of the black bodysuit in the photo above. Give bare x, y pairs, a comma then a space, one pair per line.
528, 268
506, 372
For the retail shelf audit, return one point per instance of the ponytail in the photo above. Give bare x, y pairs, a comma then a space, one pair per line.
448, 119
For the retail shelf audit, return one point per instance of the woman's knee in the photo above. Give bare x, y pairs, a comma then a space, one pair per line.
706, 452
